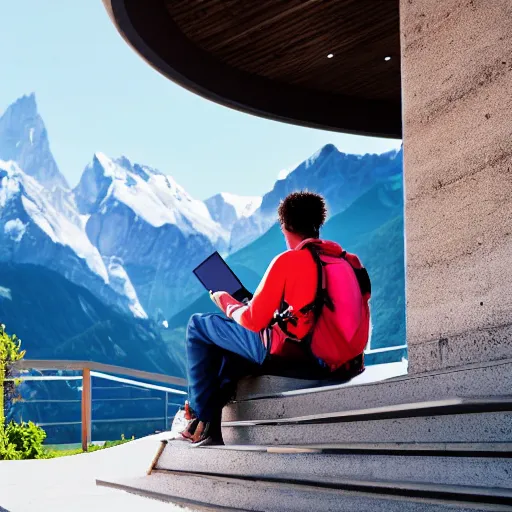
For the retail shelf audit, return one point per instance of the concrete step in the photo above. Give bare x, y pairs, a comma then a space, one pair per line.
475, 465
443, 421
265, 385
286, 492
277, 397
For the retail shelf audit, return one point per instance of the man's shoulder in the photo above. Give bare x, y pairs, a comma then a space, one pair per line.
289, 257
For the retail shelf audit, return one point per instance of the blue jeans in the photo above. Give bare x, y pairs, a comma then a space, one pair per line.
219, 352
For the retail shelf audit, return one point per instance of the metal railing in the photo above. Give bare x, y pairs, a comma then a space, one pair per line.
91, 369
384, 349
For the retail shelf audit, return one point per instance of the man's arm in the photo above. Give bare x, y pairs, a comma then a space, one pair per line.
267, 298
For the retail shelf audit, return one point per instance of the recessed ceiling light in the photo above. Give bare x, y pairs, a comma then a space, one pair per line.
330, 56
387, 58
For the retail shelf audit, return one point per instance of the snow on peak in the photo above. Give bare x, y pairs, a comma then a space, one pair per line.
244, 206
144, 171
110, 168
156, 198
121, 283
37, 203
283, 173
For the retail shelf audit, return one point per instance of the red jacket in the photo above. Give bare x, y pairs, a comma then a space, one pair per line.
292, 277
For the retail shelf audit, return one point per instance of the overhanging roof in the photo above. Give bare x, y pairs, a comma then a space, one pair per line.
270, 57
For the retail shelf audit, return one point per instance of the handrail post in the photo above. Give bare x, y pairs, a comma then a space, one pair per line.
166, 411
86, 408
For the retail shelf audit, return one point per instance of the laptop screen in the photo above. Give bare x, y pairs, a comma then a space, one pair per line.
215, 275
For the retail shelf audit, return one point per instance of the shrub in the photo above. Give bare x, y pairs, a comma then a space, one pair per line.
17, 440
8, 450
10, 352
23, 441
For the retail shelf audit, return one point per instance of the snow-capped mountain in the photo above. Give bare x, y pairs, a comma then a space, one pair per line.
227, 209
154, 197
24, 140
150, 225
32, 230
339, 177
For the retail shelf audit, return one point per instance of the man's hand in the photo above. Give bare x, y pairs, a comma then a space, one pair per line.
216, 298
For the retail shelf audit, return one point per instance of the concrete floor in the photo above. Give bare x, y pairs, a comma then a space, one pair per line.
68, 484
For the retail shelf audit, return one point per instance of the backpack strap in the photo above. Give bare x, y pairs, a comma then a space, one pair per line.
322, 296
363, 279
321, 299
362, 276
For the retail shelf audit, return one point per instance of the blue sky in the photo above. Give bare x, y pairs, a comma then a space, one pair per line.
95, 94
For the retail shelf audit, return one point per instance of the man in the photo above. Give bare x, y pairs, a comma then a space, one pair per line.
223, 347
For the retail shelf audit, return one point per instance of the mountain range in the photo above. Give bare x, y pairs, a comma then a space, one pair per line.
103, 271
341, 178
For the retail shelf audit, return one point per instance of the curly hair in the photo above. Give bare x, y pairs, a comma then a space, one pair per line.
303, 213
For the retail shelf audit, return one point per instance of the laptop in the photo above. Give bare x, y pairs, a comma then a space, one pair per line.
216, 276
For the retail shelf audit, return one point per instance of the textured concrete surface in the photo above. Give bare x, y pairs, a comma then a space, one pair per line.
457, 104
449, 406
274, 497
68, 484
461, 349
474, 471
256, 387
466, 428
489, 379
252, 387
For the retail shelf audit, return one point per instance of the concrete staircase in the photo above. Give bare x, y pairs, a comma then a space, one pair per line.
437, 441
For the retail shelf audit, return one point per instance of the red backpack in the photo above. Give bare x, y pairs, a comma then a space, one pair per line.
340, 313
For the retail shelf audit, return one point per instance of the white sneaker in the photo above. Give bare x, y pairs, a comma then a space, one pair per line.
179, 424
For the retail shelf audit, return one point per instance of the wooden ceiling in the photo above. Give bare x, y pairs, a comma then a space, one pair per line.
288, 41
269, 57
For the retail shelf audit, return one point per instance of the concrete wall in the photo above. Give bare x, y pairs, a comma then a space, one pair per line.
457, 94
